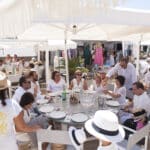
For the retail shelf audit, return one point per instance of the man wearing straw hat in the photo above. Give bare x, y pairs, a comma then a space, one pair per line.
104, 126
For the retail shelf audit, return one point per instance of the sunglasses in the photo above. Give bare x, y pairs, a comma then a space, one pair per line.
79, 74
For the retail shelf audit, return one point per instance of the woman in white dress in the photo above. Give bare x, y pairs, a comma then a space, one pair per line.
32, 124
78, 83
97, 83
56, 83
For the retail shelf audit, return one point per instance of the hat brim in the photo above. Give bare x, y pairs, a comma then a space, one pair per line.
119, 137
6, 86
71, 129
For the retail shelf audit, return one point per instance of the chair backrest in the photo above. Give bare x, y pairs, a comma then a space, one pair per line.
137, 136
52, 136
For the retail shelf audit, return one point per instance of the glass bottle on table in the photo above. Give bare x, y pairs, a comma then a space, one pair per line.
64, 94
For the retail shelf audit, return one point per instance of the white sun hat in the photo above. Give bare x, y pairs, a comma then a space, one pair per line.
105, 126
77, 137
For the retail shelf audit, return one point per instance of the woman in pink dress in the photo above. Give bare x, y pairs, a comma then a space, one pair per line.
98, 60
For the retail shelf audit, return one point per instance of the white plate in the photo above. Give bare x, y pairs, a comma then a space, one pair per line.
46, 108
57, 114
68, 91
114, 110
106, 96
76, 90
55, 93
90, 92
42, 101
113, 103
80, 117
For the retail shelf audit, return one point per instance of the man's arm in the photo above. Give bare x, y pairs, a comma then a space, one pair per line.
112, 71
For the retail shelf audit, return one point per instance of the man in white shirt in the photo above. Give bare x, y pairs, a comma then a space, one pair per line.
147, 79
127, 70
35, 87
140, 101
24, 86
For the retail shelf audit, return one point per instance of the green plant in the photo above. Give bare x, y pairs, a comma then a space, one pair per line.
72, 65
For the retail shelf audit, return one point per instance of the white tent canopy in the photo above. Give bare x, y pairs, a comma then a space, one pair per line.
80, 32
17, 16
60, 45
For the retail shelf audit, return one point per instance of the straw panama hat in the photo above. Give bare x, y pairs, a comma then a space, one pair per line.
78, 71
4, 83
105, 126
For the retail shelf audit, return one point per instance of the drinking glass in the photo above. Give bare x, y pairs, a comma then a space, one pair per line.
57, 102
87, 101
101, 102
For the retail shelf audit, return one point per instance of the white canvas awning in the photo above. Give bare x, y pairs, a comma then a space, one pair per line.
18, 15
82, 31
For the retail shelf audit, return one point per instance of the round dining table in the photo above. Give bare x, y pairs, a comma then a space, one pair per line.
68, 114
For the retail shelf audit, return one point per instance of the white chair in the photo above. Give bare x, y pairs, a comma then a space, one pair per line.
23, 140
134, 138
52, 136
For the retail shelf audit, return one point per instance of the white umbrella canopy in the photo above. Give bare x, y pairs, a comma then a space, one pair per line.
43, 32
40, 31
21, 14
61, 45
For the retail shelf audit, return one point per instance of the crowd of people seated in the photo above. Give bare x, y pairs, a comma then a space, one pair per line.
128, 91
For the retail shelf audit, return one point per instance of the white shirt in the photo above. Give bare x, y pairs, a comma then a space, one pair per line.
96, 88
147, 78
109, 147
2, 67
142, 101
19, 92
7, 132
111, 60
76, 85
26, 116
129, 73
121, 91
143, 66
39, 95
55, 87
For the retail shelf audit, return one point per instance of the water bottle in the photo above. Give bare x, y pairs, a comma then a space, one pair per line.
64, 94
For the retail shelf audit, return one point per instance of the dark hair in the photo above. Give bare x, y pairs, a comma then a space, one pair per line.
125, 59
139, 85
3, 96
31, 73
31, 65
1, 60
27, 98
54, 73
22, 80
121, 79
